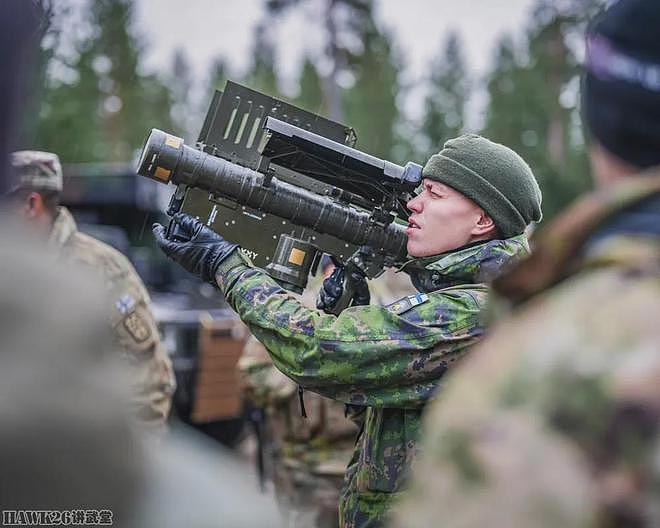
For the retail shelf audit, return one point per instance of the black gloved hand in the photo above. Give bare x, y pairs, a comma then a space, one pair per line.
333, 288
195, 247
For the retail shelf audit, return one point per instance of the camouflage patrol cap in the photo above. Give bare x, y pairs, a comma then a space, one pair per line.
36, 170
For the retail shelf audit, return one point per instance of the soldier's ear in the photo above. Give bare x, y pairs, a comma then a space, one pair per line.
33, 206
484, 226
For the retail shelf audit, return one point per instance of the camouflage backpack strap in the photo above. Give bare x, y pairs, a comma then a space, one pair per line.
558, 250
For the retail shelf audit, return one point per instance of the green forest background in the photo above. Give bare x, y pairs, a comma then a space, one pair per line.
101, 104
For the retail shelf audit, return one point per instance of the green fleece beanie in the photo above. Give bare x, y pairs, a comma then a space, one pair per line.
491, 175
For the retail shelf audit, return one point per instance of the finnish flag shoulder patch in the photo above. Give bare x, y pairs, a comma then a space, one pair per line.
405, 304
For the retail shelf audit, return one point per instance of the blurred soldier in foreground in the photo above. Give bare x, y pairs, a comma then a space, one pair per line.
35, 198
475, 201
555, 418
68, 442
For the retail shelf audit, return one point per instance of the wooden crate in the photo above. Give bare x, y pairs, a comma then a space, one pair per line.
217, 394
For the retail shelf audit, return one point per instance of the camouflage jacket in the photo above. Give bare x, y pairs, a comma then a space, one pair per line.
133, 323
390, 359
554, 420
322, 443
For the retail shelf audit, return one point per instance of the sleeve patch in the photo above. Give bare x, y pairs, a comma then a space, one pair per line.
137, 327
405, 304
125, 304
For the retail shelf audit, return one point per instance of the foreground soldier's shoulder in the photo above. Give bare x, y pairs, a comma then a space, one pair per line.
576, 343
132, 317
101, 256
137, 325
134, 321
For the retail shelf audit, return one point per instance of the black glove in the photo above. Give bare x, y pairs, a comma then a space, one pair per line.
194, 246
333, 289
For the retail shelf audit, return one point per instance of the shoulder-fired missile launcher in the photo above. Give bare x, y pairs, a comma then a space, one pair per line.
286, 185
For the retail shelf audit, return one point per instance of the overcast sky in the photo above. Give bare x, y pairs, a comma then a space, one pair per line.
205, 29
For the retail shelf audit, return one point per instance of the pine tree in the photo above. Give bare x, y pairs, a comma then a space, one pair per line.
361, 85
370, 104
337, 15
528, 110
69, 119
261, 75
50, 31
180, 84
218, 75
362, 82
502, 116
104, 111
310, 96
444, 107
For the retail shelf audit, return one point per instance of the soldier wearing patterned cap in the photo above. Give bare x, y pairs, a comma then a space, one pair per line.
34, 193
555, 418
467, 222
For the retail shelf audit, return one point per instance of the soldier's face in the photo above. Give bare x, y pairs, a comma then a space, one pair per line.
444, 219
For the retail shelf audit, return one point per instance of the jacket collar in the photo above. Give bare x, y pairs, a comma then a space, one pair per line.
64, 227
472, 264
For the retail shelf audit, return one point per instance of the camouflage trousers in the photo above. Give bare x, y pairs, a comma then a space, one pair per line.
307, 500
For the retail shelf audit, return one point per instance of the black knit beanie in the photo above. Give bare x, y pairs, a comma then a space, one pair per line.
621, 86
491, 175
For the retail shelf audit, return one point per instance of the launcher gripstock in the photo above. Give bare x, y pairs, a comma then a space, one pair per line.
287, 186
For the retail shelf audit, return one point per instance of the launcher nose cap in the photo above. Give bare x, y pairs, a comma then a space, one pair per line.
159, 156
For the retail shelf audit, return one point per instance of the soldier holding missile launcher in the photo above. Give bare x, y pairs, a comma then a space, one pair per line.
466, 223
